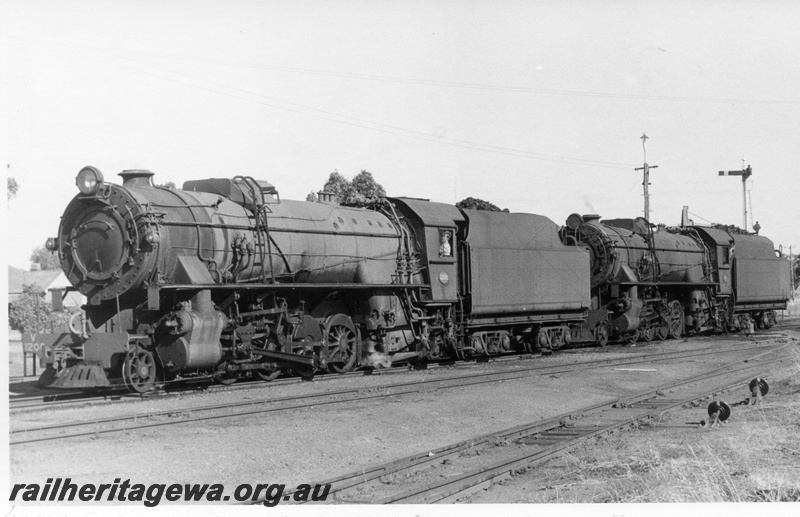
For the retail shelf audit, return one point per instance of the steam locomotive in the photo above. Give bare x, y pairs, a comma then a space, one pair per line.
657, 282
223, 279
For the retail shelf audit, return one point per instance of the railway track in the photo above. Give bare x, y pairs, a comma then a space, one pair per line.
184, 387
141, 421
457, 470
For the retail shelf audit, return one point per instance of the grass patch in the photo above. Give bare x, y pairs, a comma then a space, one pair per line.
753, 458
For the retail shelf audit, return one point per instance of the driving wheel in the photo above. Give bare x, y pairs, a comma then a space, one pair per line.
341, 340
675, 319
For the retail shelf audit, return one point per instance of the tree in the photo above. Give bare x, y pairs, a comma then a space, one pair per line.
472, 203
12, 188
45, 258
30, 312
168, 184
312, 197
366, 187
796, 267
361, 190
339, 186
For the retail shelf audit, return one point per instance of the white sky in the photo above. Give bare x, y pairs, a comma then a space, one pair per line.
534, 106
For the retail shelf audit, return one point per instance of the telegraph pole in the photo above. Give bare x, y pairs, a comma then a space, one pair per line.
791, 268
744, 173
646, 181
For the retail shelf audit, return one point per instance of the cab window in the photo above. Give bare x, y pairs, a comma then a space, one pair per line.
726, 255
445, 243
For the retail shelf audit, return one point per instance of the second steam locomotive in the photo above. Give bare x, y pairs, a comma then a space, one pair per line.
224, 279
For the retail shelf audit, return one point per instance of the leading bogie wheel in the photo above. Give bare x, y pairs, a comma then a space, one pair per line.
269, 373
631, 337
225, 377
601, 334
270, 370
139, 370
341, 340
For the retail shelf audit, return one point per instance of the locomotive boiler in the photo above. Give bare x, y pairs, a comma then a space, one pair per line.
224, 279
168, 273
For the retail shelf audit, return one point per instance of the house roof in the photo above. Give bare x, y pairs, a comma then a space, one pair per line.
17, 278
42, 278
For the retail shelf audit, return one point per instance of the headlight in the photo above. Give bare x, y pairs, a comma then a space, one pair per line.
89, 180
152, 237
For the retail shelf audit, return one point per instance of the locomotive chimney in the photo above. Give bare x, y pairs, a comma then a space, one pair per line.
137, 178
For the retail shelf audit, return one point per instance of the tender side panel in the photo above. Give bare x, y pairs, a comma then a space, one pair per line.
518, 264
760, 276
762, 281
525, 280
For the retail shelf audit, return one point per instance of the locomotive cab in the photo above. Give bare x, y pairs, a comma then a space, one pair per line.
436, 229
719, 245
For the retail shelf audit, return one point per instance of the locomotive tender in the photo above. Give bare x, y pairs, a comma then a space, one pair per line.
224, 279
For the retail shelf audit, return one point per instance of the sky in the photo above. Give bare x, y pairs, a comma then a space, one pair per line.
536, 106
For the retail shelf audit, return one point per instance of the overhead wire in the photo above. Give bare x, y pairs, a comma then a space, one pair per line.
476, 86
700, 217
350, 120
